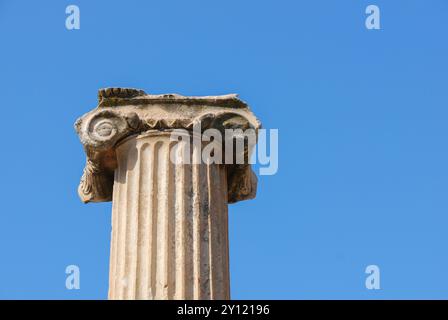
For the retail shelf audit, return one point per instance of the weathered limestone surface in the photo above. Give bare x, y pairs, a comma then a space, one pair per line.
169, 219
169, 239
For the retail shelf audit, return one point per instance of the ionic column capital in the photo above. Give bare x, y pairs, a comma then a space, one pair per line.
123, 112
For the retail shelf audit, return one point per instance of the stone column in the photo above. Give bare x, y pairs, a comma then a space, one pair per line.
169, 224
169, 218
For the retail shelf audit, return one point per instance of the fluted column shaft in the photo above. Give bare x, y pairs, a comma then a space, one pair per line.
169, 223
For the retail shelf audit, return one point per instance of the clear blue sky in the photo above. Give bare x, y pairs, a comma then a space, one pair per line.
362, 119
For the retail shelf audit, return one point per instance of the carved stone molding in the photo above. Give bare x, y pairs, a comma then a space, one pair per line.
123, 112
